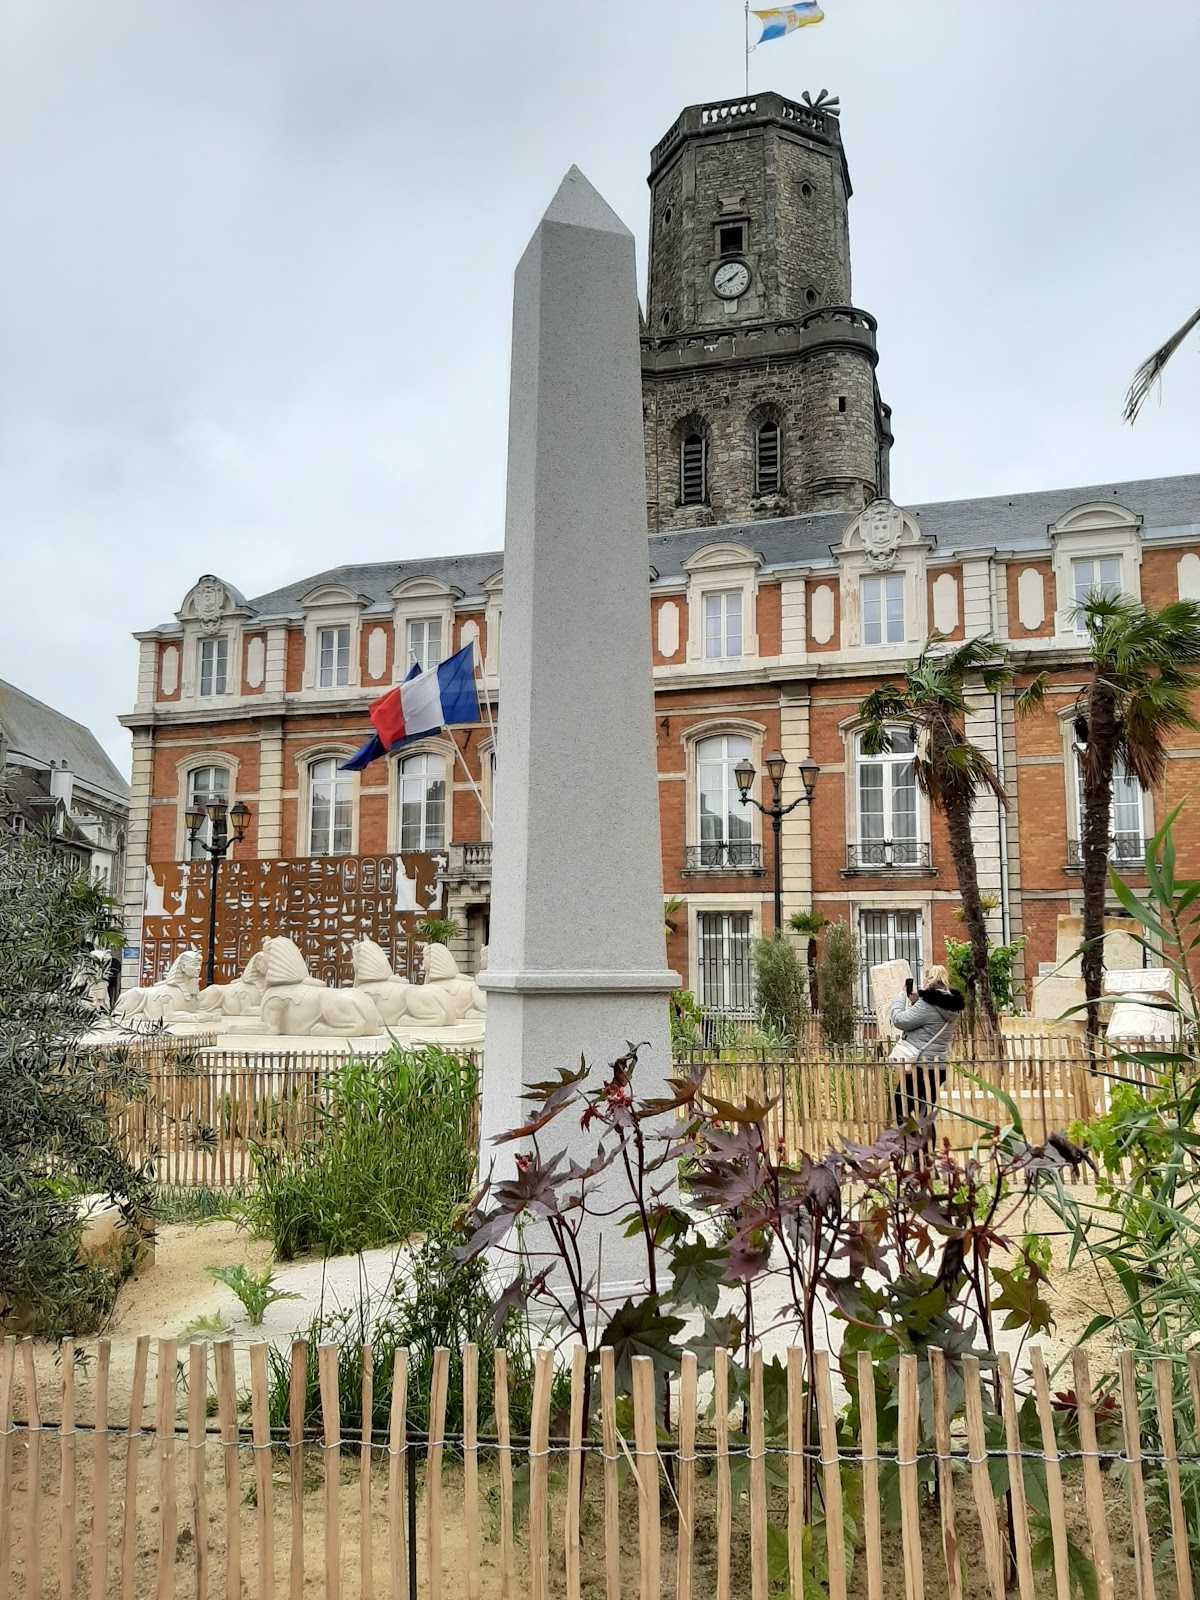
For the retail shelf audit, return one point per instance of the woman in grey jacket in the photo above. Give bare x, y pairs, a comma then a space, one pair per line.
927, 1021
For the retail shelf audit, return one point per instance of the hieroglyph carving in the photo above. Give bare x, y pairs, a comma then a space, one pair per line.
881, 528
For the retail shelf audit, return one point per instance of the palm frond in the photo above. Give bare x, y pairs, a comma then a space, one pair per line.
1151, 370
1033, 696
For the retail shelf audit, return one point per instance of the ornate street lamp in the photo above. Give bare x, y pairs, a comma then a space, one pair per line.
776, 766
217, 847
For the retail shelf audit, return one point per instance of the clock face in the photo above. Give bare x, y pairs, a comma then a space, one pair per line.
731, 279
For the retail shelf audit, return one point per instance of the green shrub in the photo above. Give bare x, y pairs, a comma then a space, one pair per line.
780, 989
438, 1305
1002, 959
439, 930
837, 977
394, 1155
255, 1290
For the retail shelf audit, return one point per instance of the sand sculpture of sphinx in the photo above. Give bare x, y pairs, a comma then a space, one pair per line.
242, 997
176, 996
443, 1000
294, 1002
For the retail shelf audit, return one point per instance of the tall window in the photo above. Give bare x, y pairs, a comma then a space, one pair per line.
333, 658
725, 823
883, 609
205, 784
726, 980
1126, 818
424, 644
423, 803
889, 936
214, 665
887, 805
723, 625
330, 809
693, 470
766, 459
1091, 576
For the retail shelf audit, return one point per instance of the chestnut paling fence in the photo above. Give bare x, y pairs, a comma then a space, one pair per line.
173, 1482
199, 1126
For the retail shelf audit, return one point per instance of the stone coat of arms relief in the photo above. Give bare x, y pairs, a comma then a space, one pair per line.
881, 528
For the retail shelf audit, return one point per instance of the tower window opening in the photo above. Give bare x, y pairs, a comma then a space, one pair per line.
841, 402
810, 297
732, 241
766, 459
806, 191
666, 319
667, 216
693, 472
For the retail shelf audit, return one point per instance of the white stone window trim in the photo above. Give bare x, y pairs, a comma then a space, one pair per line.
192, 643
305, 759
908, 558
882, 589
184, 767
690, 740
721, 568
851, 733
421, 600
699, 905
331, 607
493, 625
1092, 531
1073, 783
421, 747
893, 905
338, 670
488, 752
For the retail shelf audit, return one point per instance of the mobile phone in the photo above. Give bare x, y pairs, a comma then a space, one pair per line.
908, 986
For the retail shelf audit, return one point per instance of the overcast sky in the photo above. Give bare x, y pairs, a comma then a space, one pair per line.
256, 265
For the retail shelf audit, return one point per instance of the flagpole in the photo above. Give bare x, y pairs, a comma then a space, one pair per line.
467, 773
746, 42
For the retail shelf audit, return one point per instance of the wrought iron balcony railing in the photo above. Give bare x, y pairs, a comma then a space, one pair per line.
1121, 847
889, 855
469, 861
723, 855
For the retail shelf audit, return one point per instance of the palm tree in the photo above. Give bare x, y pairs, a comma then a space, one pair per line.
1150, 371
809, 923
950, 771
1140, 692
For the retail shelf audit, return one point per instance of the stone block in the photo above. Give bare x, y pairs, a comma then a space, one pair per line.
887, 985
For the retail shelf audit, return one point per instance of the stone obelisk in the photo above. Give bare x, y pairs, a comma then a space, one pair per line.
576, 955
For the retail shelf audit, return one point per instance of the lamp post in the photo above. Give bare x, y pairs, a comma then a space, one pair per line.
217, 848
775, 765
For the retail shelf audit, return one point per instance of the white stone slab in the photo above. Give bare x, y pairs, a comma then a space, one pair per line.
887, 982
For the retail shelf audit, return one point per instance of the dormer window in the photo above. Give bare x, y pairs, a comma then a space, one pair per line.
333, 658
766, 459
214, 665
883, 609
1092, 576
723, 625
731, 239
693, 470
424, 642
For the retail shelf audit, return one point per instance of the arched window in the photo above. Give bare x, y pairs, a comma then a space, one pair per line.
767, 475
888, 819
423, 803
693, 470
330, 809
724, 822
204, 784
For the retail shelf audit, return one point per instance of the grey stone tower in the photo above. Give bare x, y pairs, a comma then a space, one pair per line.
758, 375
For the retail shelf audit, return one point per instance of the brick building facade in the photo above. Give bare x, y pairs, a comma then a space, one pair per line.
783, 585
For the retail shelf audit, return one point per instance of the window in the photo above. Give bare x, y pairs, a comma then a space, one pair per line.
330, 809
889, 936
887, 805
725, 823
766, 459
423, 803
1126, 824
723, 625
693, 470
732, 240
1101, 575
333, 658
214, 665
424, 645
883, 609
204, 784
726, 980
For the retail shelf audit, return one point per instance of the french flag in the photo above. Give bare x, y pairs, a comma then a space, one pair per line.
428, 700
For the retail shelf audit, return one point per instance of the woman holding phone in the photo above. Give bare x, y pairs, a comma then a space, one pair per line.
927, 1019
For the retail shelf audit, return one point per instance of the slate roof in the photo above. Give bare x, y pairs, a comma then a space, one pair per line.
38, 735
1007, 522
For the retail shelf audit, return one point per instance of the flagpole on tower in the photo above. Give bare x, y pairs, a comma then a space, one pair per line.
746, 42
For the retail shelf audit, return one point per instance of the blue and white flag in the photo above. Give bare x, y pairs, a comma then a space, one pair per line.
782, 20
